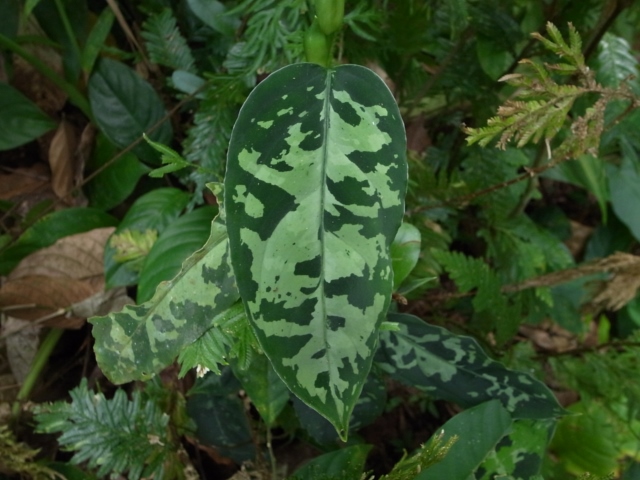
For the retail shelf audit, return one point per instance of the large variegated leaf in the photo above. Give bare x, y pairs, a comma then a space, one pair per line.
314, 192
455, 368
142, 339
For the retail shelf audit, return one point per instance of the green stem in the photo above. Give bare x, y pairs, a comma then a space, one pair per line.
67, 27
40, 360
74, 94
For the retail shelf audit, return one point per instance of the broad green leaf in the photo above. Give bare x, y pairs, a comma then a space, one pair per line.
314, 193
220, 417
405, 252
455, 368
180, 239
518, 455
344, 464
587, 442
125, 106
213, 14
479, 430
624, 185
493, 57
263, 385
50, 228
142, 339
188, 83
117, 181
155, 210
21, 121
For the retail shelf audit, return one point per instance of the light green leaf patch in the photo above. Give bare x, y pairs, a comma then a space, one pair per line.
314, 202
142, 339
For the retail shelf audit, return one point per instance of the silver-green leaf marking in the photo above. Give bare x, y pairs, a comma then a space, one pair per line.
314, 192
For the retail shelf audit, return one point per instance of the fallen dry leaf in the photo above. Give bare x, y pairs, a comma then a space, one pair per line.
23, 182
22, 346
62, 159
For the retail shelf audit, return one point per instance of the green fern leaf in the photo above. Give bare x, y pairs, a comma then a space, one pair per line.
165, 43
115, 436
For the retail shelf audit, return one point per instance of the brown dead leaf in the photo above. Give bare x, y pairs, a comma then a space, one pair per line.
62, 159
76, 256
21, 347
47, 285
44, 299
20, 183
578, 240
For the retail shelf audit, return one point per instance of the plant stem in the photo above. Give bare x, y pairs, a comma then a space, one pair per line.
272, 457
74, 94
40, 360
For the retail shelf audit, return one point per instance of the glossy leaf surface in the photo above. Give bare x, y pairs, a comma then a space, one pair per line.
125, 106
314, 193
405, 251
142, 339
455, 368
479, 430
344, 464
20, 119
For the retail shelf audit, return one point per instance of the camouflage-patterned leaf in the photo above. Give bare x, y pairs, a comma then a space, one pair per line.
455, 368
314, 191
518, 455
142, 339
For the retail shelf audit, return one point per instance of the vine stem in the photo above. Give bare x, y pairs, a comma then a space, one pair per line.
272, 457
39, 362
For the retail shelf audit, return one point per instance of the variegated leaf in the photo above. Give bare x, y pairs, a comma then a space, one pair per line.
142, 339
314, 191
455, 368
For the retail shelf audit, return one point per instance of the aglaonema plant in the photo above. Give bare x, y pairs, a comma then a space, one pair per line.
313, 198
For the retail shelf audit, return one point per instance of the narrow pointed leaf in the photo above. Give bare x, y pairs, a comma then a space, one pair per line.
455, 368
142, 339
314, 191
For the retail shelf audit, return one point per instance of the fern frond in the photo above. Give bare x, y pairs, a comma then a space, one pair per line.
115, 436
165, 43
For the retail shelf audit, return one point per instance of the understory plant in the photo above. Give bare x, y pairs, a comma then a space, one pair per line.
346, 205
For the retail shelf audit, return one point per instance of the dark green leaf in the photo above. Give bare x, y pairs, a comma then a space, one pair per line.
97, 39
117, 181
405, 251
265, 389
180, 239
314, 191
125, 106
9, 20
142, 339
165, 43
20, 120
455, 368
479, 430
220, 416
49, 19
154, 211
344, 464
49, 229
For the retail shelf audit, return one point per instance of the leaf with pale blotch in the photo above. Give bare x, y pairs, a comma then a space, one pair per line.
314, 193
142, 339
455, 368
